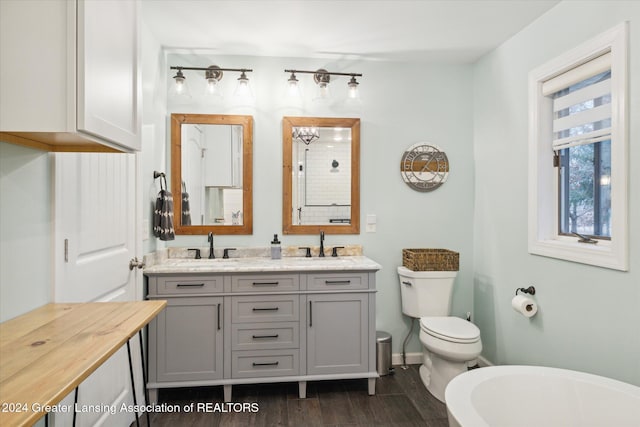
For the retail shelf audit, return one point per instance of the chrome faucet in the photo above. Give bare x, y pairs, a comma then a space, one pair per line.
210, 239
321, 244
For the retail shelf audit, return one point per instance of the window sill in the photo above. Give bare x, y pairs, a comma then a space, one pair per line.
603, 254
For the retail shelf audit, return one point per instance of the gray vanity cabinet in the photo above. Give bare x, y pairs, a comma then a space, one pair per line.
337, 333
276, 326
187, 338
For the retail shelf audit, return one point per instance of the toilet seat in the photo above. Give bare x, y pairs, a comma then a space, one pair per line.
450, 328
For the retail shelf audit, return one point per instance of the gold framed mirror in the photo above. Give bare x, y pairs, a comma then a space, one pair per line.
321, 175
212, 173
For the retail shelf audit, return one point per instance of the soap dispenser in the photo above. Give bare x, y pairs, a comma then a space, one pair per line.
276, 249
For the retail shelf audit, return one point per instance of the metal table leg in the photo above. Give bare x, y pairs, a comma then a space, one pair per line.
144, 376
133, 384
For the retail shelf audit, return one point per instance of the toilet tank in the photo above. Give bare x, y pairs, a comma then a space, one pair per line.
426, 293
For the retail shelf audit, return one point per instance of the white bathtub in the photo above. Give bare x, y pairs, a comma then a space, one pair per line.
533, 396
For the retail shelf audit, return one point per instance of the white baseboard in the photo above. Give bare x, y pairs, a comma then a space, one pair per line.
412, 358
483, 362
416, 359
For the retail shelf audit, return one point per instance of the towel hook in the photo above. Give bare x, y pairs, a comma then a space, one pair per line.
157, 174
530, 290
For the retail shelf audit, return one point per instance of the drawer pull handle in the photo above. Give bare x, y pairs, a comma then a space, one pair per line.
265, 336
337, 282
190, 285
266, 364
265, 283
266, 308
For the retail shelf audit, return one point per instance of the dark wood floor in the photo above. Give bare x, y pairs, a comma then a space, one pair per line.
400, 400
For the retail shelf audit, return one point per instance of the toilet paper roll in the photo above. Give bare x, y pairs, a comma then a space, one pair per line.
524, 305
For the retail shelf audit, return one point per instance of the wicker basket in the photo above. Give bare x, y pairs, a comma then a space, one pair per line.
430, 259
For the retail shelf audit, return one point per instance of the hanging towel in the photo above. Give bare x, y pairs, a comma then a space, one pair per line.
186, 210
163, 214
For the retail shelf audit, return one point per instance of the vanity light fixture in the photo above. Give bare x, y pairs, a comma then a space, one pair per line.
180, 81
293, 87
322, 78
306, 134
243, 90
353, 92
213, 75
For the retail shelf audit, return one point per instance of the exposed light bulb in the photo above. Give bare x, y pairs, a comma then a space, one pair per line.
179, 80
323, 91
243, 90
212, 86
353, 92
293, 87
213, 76
180, 89
322, 79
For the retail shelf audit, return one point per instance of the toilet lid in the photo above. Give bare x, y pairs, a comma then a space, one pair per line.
450, 328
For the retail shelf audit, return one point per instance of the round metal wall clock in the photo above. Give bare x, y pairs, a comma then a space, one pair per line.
424, 167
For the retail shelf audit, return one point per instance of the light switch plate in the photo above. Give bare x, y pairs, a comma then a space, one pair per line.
370, 225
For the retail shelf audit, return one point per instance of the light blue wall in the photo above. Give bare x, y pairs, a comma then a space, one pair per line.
401, 104
25, 230
589, 318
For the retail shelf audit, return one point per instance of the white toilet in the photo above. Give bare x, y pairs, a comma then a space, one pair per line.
449, 342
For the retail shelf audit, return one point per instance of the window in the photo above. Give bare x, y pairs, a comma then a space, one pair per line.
582, 146
577, 154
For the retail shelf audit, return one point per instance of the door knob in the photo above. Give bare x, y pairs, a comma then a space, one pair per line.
133, 263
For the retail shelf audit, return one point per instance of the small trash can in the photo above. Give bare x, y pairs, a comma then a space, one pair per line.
383, 353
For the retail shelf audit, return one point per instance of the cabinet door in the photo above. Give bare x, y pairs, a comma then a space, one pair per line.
337, 333
108, 73
187, 339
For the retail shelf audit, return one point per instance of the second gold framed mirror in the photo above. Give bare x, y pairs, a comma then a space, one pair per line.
321, 175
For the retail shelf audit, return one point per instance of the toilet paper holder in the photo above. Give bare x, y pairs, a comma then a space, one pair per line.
530, 290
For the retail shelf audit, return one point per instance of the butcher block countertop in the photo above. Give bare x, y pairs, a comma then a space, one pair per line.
46, 353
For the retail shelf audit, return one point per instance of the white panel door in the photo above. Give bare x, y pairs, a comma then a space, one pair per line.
95, 238
95, 224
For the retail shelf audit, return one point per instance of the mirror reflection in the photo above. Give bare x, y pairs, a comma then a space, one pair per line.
321, 190
321, 185
211, 173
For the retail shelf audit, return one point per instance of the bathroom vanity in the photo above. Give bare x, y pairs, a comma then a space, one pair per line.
258, 320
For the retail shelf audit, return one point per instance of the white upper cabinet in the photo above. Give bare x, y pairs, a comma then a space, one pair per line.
70, 74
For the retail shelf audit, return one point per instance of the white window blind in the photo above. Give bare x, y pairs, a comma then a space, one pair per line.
581, 103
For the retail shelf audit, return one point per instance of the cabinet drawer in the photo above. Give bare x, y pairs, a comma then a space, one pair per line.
265, 308
264, 363
337, 281
189, 285
265, 283
260, 336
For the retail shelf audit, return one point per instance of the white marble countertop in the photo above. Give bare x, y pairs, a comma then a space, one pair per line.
262, 264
